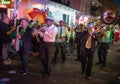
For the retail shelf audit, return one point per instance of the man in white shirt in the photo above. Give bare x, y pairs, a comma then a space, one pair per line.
60, 42
48, 33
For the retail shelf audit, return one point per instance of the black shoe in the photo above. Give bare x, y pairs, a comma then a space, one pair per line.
83, 73
102, 66
49, 72
23, 72
46, 73
98, 63
43, 73
77, 59
63, 62
53, 62
87, 78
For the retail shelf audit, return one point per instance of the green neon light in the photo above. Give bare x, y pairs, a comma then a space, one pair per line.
4, 2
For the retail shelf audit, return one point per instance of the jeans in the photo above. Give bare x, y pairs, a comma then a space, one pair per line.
5, 51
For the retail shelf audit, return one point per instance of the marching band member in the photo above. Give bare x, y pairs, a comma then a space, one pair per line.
48, 32
24, 34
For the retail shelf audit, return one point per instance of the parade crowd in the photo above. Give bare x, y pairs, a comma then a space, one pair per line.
27, 36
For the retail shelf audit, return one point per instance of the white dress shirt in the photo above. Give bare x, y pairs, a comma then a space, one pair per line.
61, 38
50, 33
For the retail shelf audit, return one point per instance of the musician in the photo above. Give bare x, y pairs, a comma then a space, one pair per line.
88, 43
104, 46
48, 32
24, 35
78, 37
60, 42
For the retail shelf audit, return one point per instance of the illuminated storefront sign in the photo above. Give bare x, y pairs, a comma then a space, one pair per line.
5, 2
41, 1
3, 6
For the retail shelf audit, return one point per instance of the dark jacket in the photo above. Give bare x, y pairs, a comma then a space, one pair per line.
84, 40
27, 37
78, 37
4, 28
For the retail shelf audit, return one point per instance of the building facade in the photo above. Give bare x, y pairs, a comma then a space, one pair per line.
56, 11
6, 7
61, 12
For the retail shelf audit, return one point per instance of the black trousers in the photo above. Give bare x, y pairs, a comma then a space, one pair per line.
71, 42
79, 51
59, 46
45, 57
0, 49
86, 61
24, 52
36, 45
102, 53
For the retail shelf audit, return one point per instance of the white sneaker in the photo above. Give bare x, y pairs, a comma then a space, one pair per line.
7, 62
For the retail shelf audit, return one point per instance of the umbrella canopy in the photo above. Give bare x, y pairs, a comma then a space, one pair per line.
38, 14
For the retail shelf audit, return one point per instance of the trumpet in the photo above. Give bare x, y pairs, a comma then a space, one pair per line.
35, 32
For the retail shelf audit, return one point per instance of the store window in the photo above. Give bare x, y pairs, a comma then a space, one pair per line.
66, 18
3, 10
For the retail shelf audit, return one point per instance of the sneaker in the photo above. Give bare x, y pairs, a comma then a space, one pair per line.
23, 72
6, 62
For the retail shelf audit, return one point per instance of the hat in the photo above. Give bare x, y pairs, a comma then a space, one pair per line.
61, 21
26, 19
48, 18
80, 24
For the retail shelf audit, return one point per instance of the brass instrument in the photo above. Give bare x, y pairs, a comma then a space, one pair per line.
109, 17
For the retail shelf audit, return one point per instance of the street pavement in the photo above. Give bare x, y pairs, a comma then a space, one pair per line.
67, 73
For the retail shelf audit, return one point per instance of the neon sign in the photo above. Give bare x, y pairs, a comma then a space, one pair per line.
4, 2
3, 6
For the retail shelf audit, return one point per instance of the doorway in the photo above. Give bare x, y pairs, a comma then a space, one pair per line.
3, 11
